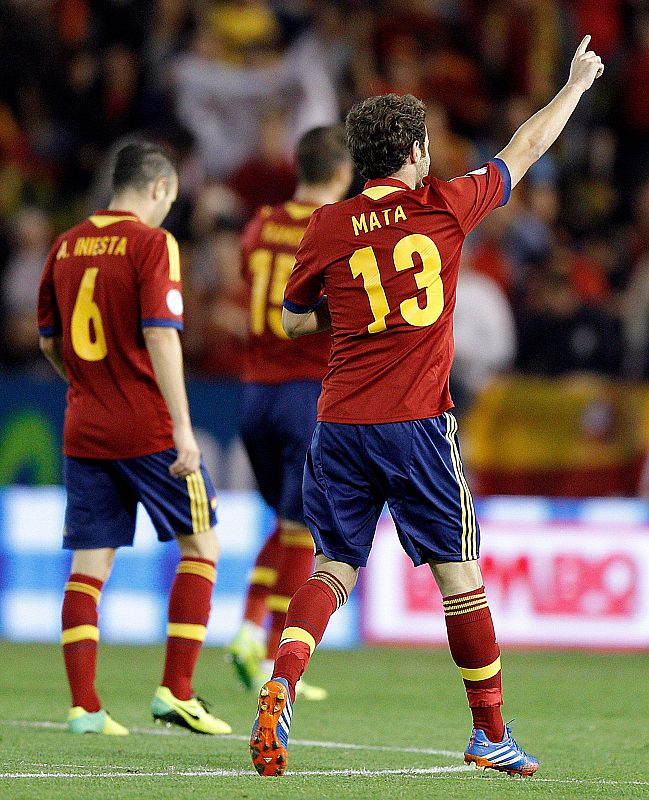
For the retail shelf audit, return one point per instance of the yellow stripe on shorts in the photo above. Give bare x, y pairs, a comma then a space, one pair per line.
482, 673
184, 630
85, 588
469, 537
199, 504
298, 635
79, 633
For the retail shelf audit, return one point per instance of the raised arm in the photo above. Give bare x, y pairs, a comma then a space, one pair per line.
164, 349
537, 135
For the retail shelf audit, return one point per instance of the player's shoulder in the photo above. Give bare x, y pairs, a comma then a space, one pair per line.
291, 212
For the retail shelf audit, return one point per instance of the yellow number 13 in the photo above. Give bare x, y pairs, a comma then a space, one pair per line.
85, 312
363, 263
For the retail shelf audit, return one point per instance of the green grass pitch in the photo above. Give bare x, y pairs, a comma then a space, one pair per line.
392, 712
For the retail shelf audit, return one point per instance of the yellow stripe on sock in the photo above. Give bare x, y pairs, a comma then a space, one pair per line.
184, 630
85, 588
467, 610
463, 602
452, 602
296, 539
197, 568
79, 633
299, 635
263, 576
328, 580
275, 602
482, 673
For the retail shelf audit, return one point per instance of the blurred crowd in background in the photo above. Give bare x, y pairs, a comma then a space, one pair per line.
556, 282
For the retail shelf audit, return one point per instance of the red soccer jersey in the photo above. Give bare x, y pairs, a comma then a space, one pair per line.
269, 244
388, 261
104, 280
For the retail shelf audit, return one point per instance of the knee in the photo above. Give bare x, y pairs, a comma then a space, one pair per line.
345, 573
95, 563
201, 545
456, 577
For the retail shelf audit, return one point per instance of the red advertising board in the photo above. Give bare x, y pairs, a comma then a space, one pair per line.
549, 584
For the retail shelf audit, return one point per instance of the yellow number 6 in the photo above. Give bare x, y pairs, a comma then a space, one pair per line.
85, 312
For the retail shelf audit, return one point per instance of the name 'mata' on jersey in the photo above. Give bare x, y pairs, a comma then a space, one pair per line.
103, 281
388, 261
269, 244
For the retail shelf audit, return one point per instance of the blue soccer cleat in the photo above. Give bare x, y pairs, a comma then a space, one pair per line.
270, 730
505, 756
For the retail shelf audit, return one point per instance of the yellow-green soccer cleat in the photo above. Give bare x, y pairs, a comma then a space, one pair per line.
307, 691
192, 713
82, 721
246, 652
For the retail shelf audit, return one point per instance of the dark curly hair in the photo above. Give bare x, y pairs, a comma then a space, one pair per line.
381, 131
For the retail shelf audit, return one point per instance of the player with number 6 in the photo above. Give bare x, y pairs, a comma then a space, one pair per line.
109, 311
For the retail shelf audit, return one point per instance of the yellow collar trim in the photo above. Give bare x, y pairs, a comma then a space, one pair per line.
298, 211
379, 192
101, 221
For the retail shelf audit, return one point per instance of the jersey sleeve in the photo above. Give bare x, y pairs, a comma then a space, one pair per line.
159, 282
305, 284
49, 317
472, 196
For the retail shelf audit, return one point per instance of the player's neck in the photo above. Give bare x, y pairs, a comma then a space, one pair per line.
130, 203
316, 195
407, 174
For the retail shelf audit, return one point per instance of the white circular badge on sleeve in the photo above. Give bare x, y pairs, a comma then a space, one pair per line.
175, 302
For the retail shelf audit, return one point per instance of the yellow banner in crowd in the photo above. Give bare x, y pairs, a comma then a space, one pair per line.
537, 424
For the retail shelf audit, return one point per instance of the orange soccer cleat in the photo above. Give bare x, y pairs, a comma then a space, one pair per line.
270, 730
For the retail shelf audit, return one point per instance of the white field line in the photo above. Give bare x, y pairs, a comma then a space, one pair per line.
442, 771
234, 773
163, 731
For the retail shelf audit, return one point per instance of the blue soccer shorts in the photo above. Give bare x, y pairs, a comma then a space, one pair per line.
103, 495
353, 470
277, 425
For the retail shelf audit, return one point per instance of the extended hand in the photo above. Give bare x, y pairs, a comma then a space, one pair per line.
586, 66
189, 456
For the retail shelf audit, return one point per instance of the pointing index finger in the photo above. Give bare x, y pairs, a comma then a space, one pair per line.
583, 45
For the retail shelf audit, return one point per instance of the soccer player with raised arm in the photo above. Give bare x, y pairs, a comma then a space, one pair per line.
282, 381
109, 311
381, 270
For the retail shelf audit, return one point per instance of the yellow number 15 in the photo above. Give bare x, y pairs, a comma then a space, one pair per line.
363, 263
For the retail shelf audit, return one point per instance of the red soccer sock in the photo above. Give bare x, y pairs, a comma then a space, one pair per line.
189, 612
473, 645
294, 570
263, 578
80, 637
306, 621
